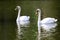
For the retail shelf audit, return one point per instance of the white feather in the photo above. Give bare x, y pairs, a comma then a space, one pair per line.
22, 20
46, 23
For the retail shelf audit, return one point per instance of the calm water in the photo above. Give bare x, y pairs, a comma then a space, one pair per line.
10, 30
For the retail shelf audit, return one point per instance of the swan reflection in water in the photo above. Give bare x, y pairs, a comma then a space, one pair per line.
47, 31
20, 26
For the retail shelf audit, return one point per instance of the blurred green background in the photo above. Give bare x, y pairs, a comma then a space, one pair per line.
7, 12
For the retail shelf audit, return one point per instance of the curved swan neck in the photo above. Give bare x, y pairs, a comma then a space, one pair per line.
19, 10
38, 23
39, 16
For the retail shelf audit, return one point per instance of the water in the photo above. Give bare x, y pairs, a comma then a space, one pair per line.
10, 30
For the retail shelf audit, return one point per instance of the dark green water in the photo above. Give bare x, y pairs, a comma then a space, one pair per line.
9, 29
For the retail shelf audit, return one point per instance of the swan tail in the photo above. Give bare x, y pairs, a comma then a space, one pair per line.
28, 17
55, 20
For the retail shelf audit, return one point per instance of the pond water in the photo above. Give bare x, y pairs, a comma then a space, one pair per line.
14, 31
10, 30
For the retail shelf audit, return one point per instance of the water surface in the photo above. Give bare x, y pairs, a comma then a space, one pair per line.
9, 30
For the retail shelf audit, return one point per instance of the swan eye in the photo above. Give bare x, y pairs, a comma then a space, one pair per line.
37, 11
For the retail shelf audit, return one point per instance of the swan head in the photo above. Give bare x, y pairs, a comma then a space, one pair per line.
17, 7
38, 11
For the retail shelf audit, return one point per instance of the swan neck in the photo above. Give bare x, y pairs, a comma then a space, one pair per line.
39, 16
19, 10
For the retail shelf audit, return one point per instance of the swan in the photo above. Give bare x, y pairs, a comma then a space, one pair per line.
45, 20
46, 23
21, 18
49, 26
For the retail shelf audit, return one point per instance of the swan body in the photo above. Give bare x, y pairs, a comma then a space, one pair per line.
24, 18
48, 20
21, 18
45, 20
23, 23
48, 27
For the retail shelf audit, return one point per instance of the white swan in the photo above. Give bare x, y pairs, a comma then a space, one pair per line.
45, 20
21, 18
48, 27
47, 23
